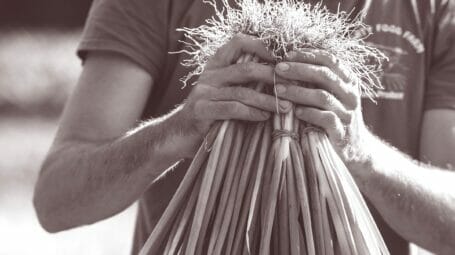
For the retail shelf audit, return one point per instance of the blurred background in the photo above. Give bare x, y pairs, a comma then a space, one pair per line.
38, 69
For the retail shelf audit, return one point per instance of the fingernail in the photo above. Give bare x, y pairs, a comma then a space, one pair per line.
280, 89
285, 104
283, 67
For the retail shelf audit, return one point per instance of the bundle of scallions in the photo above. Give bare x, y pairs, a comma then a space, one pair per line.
274, 187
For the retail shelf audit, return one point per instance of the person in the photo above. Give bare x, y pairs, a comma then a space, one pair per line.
130, 128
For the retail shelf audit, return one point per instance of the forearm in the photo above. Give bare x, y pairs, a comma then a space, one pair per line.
417, 200
88, 182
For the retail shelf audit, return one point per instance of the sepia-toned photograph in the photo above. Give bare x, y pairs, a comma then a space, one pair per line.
219, 127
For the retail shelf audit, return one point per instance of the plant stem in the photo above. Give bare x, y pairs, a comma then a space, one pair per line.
220, 172
302, 193
283, 213
271, 208
316, 210
227, 219
177, 239
292, 207
245, 176
205, 190
323, 192
263, 164
227, 185
155, 239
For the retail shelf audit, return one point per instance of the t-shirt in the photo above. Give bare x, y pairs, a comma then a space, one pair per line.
418, 36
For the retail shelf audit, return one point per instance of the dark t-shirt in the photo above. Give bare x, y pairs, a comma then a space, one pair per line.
417, 35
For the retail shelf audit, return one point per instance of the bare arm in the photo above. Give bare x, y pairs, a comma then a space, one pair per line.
415, 199
93, 169
101, 162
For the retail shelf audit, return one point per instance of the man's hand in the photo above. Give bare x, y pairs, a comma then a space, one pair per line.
218, 94
416, 200
330, 101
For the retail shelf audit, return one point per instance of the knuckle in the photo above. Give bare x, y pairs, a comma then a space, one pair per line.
339, 125
327, 75
331, 59
350, 77
218, 58
338, 135
237, 38
330, 119
353, 99
325, 97
342, 134
198, 92
312, 56
349, 117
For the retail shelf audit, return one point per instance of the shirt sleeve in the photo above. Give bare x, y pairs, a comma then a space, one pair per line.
440, 91
136, 29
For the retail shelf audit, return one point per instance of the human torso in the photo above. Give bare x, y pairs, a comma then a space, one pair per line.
398, 28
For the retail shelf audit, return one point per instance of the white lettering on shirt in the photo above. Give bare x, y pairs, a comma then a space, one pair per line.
410, 37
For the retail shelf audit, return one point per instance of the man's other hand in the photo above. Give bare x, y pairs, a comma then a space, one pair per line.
219, 94
326, 98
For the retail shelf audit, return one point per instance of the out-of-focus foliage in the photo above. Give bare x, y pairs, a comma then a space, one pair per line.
38, 69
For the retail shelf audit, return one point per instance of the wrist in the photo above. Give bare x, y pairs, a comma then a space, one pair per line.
183, 134
362, 165
359, 149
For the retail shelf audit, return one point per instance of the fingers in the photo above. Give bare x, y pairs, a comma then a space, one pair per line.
224, 68
327, 120
239, 45
317, 98
252, 98
242, 73
323, 77
322, 58
242, 103
319, 70
225, 110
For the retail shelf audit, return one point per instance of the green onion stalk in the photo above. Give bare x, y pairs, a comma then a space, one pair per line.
278, 186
